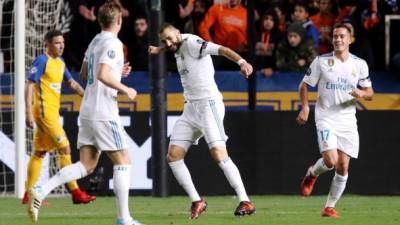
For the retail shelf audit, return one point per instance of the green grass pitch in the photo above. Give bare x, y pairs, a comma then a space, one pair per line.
271, 210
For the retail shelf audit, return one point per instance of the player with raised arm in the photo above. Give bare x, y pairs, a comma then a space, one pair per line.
203, 113
100, 129
338, 75
44, 85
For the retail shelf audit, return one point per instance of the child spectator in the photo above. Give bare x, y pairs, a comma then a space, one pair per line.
301, 14
267, 42
295, 52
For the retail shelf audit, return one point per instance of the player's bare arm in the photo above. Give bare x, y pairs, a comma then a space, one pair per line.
366, 93
28, 103
83, 72
245, 68
126, 70
154, 50
305, 110
105, 76
76, 87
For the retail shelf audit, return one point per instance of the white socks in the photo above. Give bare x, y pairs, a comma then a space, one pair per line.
319, 168
233, 176
122, 181
69, 173
183, 177
337, 187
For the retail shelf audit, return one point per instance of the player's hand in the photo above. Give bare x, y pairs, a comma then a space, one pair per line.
153, 50
246, 69
126, 70
303, 116
357, 93
131, 93
29, 120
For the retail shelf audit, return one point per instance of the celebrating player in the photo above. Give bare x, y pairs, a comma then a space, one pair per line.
203, 112
101, 129
338, 75
47, 73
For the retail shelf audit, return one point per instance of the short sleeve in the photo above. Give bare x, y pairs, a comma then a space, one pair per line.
313, 73
110, 53
364, 80
199, 47
38, 68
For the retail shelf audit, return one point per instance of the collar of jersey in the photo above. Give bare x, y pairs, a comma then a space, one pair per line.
108, 33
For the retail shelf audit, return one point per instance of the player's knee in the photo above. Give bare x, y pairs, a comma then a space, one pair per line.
65, 150
342, 168
39, 154
90, 168
175, 153
330, 162
171, 157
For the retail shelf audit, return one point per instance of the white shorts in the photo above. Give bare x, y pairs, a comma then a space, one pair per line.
343, 138
200, 118
104, 135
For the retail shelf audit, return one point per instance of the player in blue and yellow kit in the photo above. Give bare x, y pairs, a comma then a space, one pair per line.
44, 84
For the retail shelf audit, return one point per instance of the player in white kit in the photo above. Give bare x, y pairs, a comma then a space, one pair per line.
338, 75
203, 113
100, 128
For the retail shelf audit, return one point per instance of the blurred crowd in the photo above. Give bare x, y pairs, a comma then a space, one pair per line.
289, 33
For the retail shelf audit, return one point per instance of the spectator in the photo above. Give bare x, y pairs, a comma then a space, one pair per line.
199, 11
313, 6
295, 52
301, 14
280, 12
230, 25
360, 46
268, 40
324, 21
138, 56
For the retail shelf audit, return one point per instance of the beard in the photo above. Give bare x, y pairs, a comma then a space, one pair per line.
174, 47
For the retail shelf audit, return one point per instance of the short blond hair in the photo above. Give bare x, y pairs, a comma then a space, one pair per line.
108, 13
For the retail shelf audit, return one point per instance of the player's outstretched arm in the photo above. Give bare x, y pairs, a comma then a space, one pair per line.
154, 50
245, 68
305, 110
76, 87
28, 103
105, 76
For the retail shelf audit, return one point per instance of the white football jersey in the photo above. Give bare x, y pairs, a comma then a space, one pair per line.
336, 79
196, 68
100, 101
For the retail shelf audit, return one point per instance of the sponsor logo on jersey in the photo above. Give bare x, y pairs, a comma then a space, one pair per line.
56, 87
111, 54
331, 62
